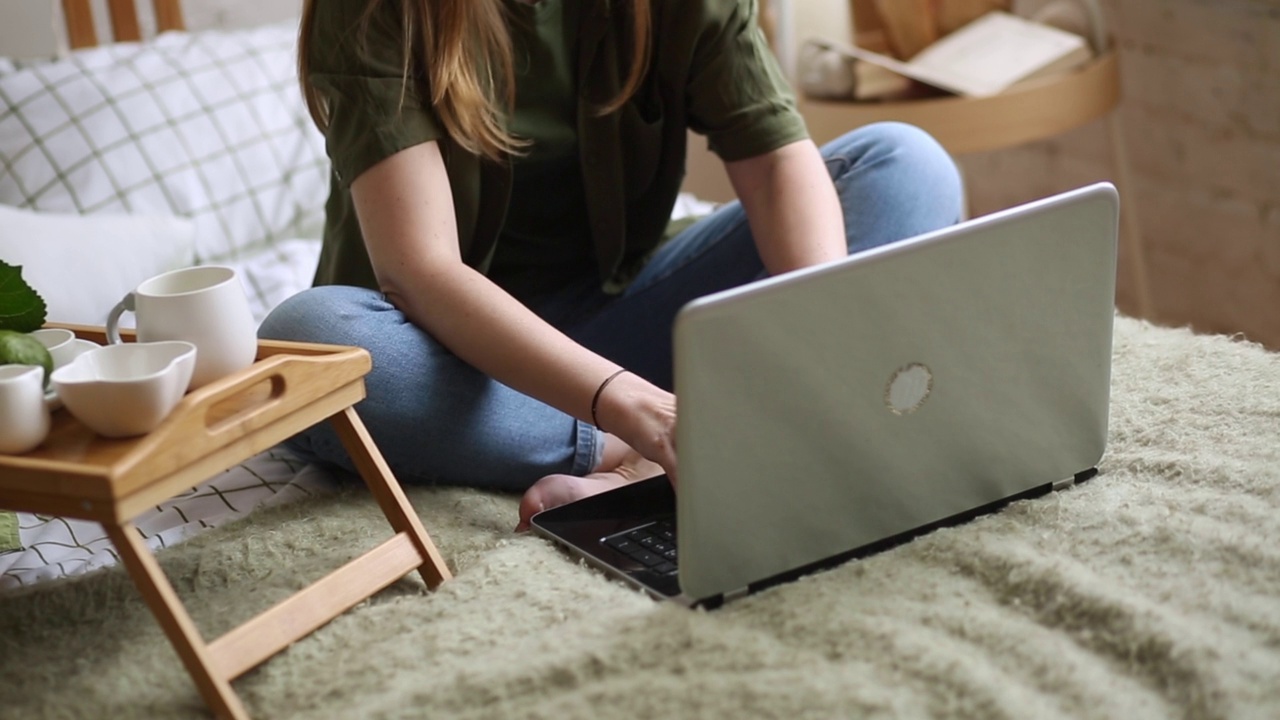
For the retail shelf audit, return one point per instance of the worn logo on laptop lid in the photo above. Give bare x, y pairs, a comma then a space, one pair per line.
908, 388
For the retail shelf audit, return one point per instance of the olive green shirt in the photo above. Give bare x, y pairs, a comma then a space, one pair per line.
712, 71
545, 242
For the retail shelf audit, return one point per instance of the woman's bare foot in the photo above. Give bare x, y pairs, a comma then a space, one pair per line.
616, 468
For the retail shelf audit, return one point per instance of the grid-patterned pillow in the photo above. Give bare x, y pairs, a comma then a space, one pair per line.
208, 125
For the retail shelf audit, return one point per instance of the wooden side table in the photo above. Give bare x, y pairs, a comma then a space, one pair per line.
291, 386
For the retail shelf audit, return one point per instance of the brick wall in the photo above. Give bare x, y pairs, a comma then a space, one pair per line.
1201, 119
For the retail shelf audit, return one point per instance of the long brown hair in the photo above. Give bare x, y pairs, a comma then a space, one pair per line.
465, 47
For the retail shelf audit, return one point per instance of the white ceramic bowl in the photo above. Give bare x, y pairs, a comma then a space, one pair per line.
59, 342
125, 390
63, 351
75, 349
63, 345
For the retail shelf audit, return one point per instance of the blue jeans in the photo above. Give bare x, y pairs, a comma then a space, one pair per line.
437, 419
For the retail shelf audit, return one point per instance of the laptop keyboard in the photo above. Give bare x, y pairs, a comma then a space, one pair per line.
653, 546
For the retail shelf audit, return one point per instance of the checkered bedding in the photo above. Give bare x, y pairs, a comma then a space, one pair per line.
208, 126
205, 125
53, 547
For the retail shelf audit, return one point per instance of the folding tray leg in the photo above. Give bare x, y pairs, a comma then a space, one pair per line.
174, 620
386, 490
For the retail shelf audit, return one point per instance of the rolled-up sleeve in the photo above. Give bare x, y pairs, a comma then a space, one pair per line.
737, 95
374, 112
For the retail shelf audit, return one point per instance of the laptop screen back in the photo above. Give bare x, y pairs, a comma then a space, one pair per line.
835, 406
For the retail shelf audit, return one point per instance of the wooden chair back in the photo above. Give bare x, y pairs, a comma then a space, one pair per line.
124, 20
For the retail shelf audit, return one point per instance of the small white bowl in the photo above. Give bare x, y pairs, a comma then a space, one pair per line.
59, 343
126, 390
54, 338
69, 351
63, 345
78, 347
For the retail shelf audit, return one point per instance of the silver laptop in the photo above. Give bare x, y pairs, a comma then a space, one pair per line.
843, 409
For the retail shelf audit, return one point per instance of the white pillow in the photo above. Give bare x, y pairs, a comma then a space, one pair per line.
207, 125
83, 266
273, 275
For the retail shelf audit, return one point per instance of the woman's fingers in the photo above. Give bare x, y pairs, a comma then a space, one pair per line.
643, 416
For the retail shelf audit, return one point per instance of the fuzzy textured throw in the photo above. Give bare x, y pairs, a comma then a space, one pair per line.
1152, 591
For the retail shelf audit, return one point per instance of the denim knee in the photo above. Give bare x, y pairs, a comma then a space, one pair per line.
894, 181
320, 314
910, 149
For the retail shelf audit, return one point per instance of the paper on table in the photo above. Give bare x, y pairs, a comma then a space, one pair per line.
988, 55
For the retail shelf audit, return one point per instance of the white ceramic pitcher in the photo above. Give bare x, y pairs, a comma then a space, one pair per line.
24, 417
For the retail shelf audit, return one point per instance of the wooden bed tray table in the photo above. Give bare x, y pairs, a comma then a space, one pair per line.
290, 387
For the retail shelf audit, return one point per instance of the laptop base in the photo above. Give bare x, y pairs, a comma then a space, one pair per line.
582, 527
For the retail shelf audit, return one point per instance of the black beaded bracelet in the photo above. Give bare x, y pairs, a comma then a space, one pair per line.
595, 401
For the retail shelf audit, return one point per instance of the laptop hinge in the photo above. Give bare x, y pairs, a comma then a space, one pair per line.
735, 594
1064, 483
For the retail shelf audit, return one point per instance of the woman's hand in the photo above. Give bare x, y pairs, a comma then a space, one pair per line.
643, 416
640, 443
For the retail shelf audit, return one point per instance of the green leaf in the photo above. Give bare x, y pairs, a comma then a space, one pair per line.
21, 308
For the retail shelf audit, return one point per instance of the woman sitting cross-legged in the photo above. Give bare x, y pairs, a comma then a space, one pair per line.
498, 230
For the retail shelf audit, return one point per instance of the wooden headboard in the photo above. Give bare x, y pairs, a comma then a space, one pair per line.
124, 20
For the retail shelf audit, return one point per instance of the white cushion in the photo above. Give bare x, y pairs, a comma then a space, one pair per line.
207, 125
272, 275
83, 266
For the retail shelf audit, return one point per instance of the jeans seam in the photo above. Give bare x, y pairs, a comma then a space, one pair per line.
845, 163
590, 449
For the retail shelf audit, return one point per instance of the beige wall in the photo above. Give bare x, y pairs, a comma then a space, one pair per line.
1201, 111
238, 13
827, 19
26, 28
25, 31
